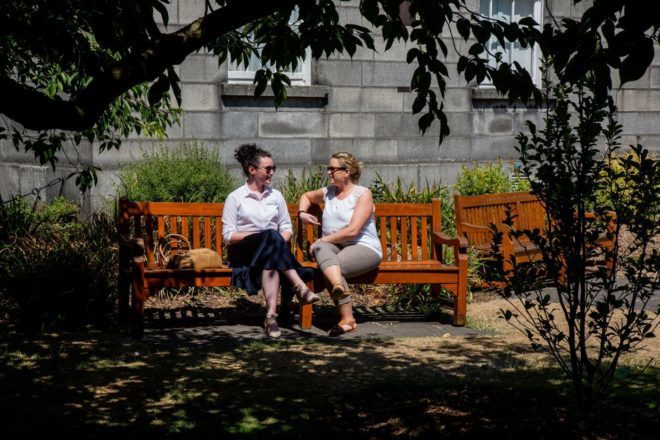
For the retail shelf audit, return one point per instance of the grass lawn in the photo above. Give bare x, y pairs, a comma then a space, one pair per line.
106, 385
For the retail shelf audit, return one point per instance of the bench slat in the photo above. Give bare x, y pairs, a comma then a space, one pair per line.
195, 242
404, 238
413, 238
425, 239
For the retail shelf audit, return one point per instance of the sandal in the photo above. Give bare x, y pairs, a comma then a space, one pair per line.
341, 328
338, 292
271, 327
305, 295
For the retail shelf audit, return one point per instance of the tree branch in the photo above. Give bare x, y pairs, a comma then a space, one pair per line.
37, 111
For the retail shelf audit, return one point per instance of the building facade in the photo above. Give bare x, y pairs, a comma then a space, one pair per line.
362, 105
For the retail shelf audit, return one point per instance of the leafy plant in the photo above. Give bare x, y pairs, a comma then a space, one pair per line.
57, 270
598, 318
397, 192
489, 179
615, 179
188, 173
292, 187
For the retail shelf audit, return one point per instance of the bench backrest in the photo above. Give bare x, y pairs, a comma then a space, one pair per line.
404, 228
482, 210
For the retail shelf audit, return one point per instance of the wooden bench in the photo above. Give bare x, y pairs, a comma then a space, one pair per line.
410, 235
475, 214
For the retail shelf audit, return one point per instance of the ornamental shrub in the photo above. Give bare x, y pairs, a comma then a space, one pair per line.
188, 173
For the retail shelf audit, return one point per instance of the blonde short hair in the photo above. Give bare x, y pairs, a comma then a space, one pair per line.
349, 161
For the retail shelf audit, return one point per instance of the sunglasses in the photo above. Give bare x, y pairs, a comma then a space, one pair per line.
268, 169
332, 170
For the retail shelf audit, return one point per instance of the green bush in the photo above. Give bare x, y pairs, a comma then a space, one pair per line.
398, 193
292, 187
189, 173
55, 269
489, 179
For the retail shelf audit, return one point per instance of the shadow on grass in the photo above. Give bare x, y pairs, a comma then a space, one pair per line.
107, 385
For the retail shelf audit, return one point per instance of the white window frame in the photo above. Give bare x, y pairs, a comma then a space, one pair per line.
535, 68
243, 75
246, 76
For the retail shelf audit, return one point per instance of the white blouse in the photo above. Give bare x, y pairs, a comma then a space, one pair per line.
337, 215
247, 211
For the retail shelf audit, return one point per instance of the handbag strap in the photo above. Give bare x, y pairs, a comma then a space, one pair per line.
165, 247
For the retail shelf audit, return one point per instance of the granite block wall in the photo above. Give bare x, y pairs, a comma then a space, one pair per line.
361, 105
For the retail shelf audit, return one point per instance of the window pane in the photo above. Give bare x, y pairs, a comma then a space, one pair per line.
255, 63
510, 10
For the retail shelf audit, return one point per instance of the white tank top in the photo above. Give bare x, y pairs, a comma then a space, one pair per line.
337, 215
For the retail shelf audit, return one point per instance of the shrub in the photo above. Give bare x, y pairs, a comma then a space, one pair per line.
189, 173
292, 187
398, 193
599, 318
621, 168
489, 179
57, 270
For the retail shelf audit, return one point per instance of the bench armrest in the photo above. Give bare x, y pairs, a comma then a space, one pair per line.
460, 245
456, 242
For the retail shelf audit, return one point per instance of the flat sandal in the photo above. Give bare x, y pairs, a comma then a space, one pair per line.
339, 330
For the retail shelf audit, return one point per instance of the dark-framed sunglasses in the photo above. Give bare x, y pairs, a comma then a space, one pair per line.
268, 169
332, 170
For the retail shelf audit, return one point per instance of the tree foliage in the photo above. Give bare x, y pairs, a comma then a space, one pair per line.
96, 70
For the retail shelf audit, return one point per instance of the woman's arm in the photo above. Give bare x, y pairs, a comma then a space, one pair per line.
230, 222
306, 200
364, 208
283, 219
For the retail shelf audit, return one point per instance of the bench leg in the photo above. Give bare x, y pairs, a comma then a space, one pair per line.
305, 316
460, 298
124, 293
137, 303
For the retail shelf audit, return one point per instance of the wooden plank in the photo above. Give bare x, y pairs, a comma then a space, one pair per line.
404, 238
218, 235
149, 239
413, 237
398, 209
394, 239
196, 240
184, 228
425, 238
173, 224
174, 208
383, 236
207, 232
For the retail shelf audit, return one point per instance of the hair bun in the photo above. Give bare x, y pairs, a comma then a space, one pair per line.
245, 153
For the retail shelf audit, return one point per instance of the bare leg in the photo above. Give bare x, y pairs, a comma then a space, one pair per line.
270, 281
338, 289
304, 295
346, 312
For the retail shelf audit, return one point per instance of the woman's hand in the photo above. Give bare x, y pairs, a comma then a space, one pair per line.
311, 246
306, 217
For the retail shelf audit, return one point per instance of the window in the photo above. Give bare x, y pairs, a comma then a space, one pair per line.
515, 10
301, 76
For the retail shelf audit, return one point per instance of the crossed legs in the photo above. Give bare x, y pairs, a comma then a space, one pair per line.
338, 263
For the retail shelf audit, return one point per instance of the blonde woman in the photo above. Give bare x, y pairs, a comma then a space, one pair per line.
349, 245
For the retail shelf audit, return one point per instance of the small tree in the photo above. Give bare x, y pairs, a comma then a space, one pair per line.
604, 315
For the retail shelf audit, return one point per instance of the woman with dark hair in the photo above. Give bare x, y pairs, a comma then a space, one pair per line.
349, 245
257, 227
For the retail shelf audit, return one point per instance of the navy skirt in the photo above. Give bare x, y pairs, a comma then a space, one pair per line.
257, 252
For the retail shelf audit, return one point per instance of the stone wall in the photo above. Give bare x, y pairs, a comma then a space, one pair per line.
360, 105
